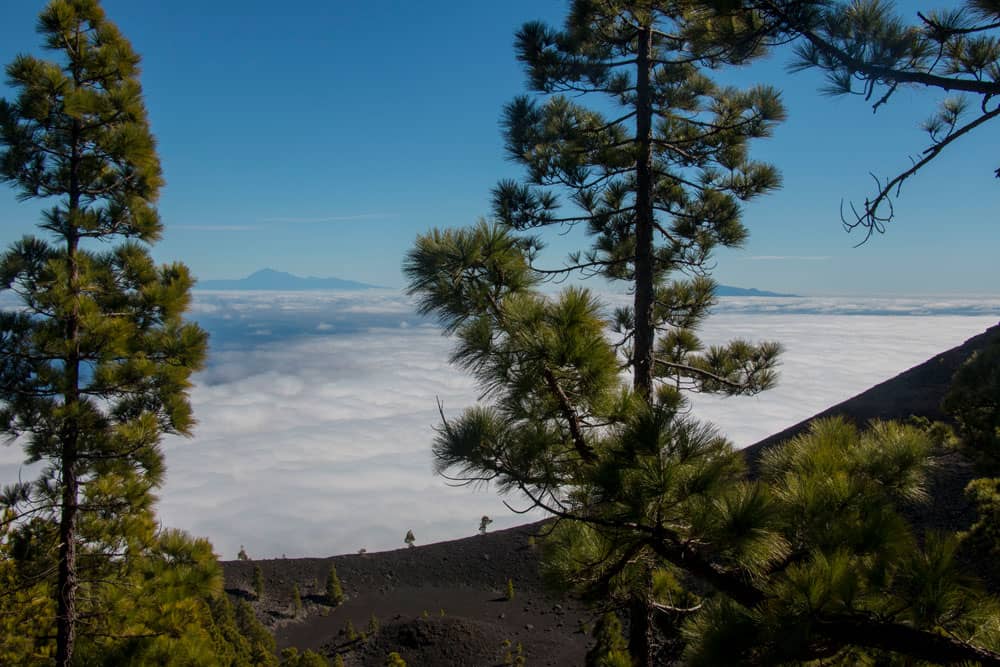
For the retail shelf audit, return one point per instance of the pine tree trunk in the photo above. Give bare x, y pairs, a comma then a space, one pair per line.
642, 355
68, 580
67, 584
639, 645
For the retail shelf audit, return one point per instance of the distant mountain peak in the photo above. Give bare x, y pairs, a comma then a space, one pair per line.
272, 279
728, 290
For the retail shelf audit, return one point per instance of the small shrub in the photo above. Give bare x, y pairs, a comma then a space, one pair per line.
291, 657
296, 600
974, 401
510, 589
242, 555
983, 537
258, 582
409, 539
424, 614
338, 661
610, 649
334, 591
394, 660
349, 632
373, 625
260, 640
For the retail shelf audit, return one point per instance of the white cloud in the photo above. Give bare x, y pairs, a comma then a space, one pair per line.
316, 439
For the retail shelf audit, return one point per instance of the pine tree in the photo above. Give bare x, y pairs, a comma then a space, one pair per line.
96, 363
257, 582
609, 648
334, 591
658, 181
409, 539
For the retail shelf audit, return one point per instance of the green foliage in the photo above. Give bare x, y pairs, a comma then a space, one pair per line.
338, 661
261, 643
296, 600
657, 177
334, 591
349, 632
257, 582
610, 649
983, 537
510, 589
394, 660
96, 366
291, 657
974, 401
374, 625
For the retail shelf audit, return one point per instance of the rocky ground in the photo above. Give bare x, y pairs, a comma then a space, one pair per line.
440, 604
446, 603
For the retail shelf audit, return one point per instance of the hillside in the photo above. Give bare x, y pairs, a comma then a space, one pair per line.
444, 604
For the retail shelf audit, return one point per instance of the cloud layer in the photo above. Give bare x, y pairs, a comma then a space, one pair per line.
316, 412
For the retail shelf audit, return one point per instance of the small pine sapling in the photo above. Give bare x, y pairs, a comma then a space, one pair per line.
510, 589
349, 632
373, 625
394, 659
409, 539
334, 591
258, 582
296, 600
242, 555
338, 661
610, 649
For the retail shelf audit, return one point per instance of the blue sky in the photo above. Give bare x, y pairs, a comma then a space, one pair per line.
321, 137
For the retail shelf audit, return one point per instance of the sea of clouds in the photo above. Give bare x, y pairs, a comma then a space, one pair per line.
316, 410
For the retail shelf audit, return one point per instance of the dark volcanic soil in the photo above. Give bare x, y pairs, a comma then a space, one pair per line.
445, 604
440, 604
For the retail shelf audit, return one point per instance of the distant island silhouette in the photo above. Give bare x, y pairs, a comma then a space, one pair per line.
729, 290
269, 279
